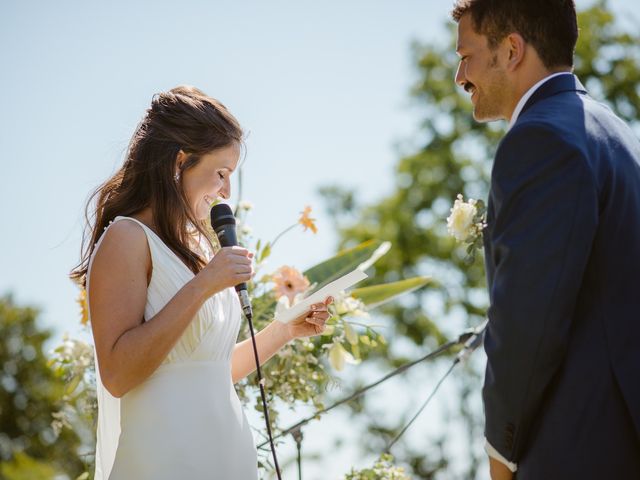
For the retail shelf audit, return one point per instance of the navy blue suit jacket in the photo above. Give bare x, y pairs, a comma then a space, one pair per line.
562, 245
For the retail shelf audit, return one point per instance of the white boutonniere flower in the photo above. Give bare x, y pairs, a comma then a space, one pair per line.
466, 223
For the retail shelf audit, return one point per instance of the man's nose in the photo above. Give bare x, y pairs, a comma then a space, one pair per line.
460, 77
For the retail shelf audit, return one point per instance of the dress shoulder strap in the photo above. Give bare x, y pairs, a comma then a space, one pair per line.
160, 252
157, 247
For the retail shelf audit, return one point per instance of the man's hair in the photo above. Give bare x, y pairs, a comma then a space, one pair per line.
550, 26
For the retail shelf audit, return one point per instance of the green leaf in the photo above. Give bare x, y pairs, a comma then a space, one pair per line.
72, 385
377, 295
24, 467
343, 263
265, 253
264, 308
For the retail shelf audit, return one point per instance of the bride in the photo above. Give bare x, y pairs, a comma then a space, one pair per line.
164, 314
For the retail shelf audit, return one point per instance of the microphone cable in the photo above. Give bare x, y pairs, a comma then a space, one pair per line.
249, 315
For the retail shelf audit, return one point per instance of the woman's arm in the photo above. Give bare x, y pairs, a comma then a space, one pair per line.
129, 350
276, 335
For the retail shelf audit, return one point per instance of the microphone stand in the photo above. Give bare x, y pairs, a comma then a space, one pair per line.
470, 345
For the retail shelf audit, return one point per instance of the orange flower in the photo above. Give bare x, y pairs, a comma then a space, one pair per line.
306, 221
84, 309
289, 282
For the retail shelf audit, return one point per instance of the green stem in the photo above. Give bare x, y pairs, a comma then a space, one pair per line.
235, 212
371, 327
282, 233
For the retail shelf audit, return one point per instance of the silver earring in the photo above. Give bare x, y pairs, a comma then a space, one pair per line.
176, 177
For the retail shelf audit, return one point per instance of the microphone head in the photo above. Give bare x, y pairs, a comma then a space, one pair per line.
221, 214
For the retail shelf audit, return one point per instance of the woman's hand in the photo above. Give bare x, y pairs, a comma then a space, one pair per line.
229, 267
312, 322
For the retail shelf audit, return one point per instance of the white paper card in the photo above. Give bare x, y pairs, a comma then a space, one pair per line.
285, 315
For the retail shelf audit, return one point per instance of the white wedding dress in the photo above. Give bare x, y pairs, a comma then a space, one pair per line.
185, 420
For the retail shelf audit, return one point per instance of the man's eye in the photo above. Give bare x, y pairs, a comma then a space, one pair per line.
221, 175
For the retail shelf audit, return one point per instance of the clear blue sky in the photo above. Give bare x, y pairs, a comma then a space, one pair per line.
321, 87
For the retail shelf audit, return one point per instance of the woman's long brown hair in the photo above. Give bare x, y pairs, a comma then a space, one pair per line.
183, 118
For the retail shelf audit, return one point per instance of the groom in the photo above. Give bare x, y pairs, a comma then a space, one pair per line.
562, 385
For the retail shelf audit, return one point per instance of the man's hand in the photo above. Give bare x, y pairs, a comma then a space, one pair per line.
499, 470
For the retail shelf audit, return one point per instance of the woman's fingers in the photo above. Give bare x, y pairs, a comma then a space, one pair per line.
241, 260
318, 317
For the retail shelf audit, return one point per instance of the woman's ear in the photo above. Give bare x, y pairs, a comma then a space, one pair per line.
181, 157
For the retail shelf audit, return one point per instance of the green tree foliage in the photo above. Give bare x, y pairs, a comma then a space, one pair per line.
30, 394
454, 155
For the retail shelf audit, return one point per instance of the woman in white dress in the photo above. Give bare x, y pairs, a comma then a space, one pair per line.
164, 314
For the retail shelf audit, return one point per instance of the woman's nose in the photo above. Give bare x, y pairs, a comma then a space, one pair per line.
225, 191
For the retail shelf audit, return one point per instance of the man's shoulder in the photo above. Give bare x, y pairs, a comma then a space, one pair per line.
535, 132
566, 119
536, 141
575, 118
570, 111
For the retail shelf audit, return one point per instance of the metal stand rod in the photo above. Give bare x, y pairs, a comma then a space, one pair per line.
466, 335
297, 436
413, 419
470, 345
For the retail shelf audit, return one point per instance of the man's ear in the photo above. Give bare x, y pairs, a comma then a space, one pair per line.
517, 46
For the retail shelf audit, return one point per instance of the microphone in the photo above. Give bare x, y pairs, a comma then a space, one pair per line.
224, 224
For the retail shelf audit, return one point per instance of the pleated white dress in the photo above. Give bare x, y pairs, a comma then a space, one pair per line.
185, 420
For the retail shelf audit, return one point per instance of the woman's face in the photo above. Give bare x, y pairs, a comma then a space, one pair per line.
209, 179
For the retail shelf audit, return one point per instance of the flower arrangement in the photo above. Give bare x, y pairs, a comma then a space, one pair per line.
298, 372
383, 469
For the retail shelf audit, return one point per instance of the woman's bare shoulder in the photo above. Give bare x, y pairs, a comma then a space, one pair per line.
124, 245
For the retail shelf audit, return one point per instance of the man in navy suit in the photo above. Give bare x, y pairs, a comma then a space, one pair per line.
562, 247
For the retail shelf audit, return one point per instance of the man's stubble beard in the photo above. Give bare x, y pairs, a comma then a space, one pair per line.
490, 105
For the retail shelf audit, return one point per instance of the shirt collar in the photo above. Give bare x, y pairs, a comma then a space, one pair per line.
527, 96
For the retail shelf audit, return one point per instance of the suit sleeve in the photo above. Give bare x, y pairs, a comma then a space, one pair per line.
544, 222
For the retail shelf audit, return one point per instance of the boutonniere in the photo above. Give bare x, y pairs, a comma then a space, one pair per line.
466, 223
